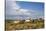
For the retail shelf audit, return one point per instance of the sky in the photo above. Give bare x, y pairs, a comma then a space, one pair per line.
24, 10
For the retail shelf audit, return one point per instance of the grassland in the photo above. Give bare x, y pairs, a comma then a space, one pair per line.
32, 24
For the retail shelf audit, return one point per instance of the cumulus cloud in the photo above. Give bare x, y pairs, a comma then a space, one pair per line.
15, 9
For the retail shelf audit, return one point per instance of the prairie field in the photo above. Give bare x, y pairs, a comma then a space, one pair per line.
36, 24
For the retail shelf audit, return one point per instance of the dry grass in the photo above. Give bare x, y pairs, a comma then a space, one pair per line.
25, 25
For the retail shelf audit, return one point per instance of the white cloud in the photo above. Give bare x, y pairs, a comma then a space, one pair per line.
15, 6
15, 9
11, 0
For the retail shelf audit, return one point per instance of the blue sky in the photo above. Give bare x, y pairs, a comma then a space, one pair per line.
31, 5
24, 9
